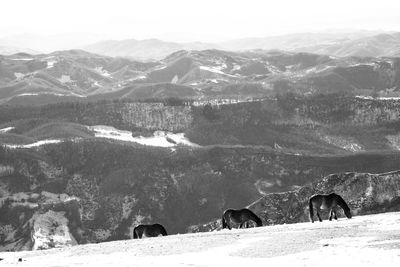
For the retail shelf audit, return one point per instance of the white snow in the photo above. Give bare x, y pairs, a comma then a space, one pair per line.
159, 139
7, 129
160, 67
36, 144
378, 98
28, 94
51, 63
51, 93
140, 77
212, 69
236, 67
216, 69
19, 75
175, 79
22, 59
373, 64
371, 240
102, 71
65, 79
51, 60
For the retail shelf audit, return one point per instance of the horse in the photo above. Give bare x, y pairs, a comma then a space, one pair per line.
330, 201
241, 217
148, 230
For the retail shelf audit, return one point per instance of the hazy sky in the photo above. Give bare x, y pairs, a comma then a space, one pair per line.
187, 20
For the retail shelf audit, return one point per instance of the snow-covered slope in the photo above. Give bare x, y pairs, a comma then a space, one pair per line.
371, 240
160, 138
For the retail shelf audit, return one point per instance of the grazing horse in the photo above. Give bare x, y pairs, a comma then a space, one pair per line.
330, 201
239, 217
148, 230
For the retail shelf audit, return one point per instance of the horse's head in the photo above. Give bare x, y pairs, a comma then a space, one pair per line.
347, 212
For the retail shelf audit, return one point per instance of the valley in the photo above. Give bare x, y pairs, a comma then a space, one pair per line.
93, 145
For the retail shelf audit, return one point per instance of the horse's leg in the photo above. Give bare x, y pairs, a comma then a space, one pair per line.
228, 224
330, 214
319, 217
334, 211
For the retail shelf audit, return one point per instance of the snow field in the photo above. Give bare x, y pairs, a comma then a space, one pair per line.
372, 240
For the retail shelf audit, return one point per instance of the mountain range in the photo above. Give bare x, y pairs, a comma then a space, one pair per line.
363, 43
334, 43
77, 75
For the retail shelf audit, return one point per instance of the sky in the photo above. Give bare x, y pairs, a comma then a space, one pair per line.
189, 20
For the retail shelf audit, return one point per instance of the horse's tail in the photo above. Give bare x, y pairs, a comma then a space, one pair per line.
311, 210
224, 224
344, 206
135, 235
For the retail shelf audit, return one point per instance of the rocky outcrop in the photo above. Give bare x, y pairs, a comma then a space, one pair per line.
32, 221
365, 193
6, 170
50, 230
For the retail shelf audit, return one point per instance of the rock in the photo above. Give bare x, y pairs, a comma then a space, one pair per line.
39, 221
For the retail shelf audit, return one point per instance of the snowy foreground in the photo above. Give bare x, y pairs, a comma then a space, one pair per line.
372, 240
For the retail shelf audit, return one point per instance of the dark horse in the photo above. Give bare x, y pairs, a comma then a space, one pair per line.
240, 217
148, 230
330, 201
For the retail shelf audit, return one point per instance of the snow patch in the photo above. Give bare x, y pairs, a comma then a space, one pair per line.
28, 94
65, 79
236, 67
378, 98
19, 75
140, 77
212, 69
7, 129
50, 93
36, 144
102, 71
175, 79
22, 59
51, 63
159, 139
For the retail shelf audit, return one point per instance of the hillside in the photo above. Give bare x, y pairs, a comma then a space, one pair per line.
143, 50
79, 76
356, 43
365, 193
334, 124
339, 44
364, 240
97, 169
114, 186
381, 45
